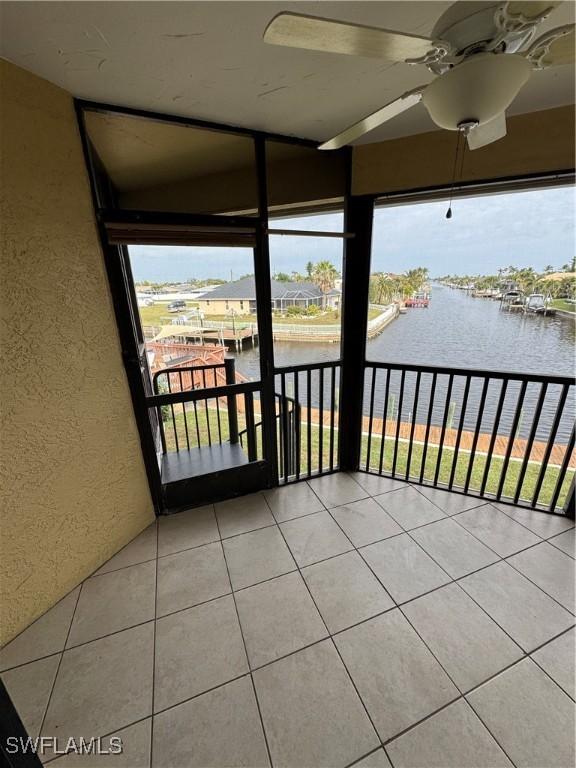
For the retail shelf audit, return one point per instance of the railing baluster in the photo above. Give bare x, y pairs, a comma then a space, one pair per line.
494, 435
218, 419
563, 470
298, 418
550, 443
184, 414
320, 417
284, 427
428, 424
197, 426
332, 409
250, 428
413, 425
370, 419
443, 430
512, 438
459, 434
309, 435
476, 433
384, 419
398, 421
173, 416
530, 443
206, 410
161, 424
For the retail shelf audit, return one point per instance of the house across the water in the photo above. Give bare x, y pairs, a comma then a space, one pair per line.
239, 297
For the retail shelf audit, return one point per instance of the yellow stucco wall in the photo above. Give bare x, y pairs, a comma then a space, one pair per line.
223, 307
74, 487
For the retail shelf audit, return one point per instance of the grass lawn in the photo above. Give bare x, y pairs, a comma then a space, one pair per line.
564, 305
157, 313
208, 417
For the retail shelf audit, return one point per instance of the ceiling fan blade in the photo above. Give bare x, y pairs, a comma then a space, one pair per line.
554, 48
316, 34
531, 9
487, 133
382, 115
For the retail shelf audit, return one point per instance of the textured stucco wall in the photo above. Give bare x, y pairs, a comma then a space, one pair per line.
72, 474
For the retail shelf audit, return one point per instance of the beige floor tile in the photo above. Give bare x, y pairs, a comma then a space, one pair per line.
365, 521
104, 685
557, 659
292, 501
452, 738
312, 714
345, 591
541, 523
139, 550
197, 649
403, 567
550, 569
566, 542
114, 601
498, 531
397, 677
468, 644
377, 759
376, 484
409, 508
29, 688
257, 556
44, 636
526, 613
243, 514
450, 503
191, 577
135, 750
529, 715
338, 488
314, 538
453, 548
188, 529
219, 728
277, 618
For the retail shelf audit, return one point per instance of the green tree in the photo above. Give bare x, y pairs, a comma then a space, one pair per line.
309, 270
282, 277
324, 275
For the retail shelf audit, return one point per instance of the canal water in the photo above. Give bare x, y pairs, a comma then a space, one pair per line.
457, 331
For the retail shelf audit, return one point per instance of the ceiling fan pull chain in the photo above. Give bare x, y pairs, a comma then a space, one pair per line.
449, 211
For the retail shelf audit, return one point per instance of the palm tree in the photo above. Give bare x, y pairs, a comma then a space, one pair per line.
324, 274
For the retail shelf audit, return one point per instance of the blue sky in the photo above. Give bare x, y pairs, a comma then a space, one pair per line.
485, 233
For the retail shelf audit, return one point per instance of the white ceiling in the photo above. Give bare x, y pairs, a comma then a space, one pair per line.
207, 60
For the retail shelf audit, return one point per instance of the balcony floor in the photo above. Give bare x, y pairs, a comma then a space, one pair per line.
314, 625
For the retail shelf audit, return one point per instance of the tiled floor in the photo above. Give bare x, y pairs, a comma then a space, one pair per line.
347, 620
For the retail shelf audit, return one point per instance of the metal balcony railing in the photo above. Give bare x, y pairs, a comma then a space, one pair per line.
308, 419
500, 436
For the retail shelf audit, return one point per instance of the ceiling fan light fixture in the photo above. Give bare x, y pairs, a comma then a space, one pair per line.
479, 89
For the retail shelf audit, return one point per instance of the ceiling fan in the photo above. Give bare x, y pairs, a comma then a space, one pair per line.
481, 52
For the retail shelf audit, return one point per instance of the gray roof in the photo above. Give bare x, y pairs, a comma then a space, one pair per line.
245, 289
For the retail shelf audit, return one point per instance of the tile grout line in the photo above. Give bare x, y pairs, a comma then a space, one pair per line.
48, 702
397, 735
461, 694
329, 637
469, 705
151, 750
264, 734
317, 562
501, 559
